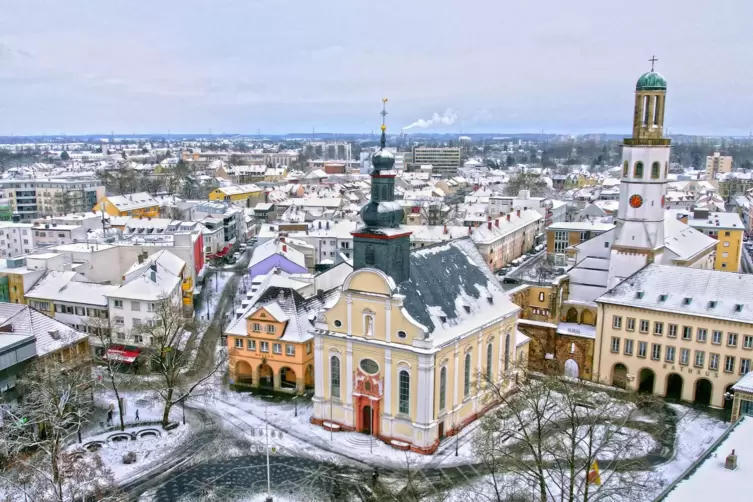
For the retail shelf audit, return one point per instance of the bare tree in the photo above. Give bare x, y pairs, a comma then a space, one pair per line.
174, 343
547, 438
101, 331
55, 402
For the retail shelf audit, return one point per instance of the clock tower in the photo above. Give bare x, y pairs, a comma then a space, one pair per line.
645, 164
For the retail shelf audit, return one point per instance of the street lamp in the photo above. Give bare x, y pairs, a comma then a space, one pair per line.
295, 401
457, 438
183, 407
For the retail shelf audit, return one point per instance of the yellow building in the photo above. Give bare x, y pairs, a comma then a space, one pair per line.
727, 229
677, 332
133, 204
269, 344
248, 194
16, 279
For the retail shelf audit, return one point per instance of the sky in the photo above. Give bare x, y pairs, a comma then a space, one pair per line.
279, 66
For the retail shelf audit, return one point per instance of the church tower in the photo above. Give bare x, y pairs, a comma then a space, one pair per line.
645, 164
381, 243
639, 226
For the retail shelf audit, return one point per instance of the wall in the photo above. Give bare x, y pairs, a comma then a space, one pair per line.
731, 245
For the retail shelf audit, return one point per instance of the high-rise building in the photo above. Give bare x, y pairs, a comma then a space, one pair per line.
34, 198
445, 161
718, 164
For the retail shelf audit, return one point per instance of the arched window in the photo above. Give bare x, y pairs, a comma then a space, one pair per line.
370, 255
655, 168
442, 387
638, 170
467, 375
404, 392
625, 169
489, 351
507, 351
334, 376
385, 193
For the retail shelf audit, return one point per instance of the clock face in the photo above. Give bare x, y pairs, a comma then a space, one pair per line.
636, 201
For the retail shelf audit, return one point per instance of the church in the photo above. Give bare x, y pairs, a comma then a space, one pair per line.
406, 352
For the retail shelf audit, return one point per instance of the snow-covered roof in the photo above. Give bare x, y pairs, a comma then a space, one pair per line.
582, 226
62, 286
277, 246
163, 258
240, 189
49, 334
132, 201
688, 291
745, 384
153, 282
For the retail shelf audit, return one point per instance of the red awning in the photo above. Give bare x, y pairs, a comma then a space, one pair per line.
219, 254
123, 354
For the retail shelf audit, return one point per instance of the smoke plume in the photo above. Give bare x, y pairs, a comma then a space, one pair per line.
447, 118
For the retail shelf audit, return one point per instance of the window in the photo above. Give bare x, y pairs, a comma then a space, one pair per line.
642, 349
489, 356
732, 339
467, 376
118, 304
138, 338
699, 357
638, 170
135, 306
615, 344
264, 346
716, 338
541, 297
370, 255
687, 333
277, 348
687, 301
658, 328
289, 349
670, 354
334, 376
655, 168
629, 347
308, 348
748, 342
338, 324
404, 394
256, 327
726, 245
560, 241
270, 328
507, 351
729, 364
617, 322
442, 388
644, 326
684, 356
725, 255
121, 336
630, 324
744, 366
239, 343
656, 351
401, 334
672, 331
700, 334
136, 322
662, 298
726, 234
251, 344
119, 321
713, 361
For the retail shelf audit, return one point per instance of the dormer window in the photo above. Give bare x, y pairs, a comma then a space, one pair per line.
712, 304
739, 307
662, 298
686, 301
639, 295
443, 319
490, 299
467, 309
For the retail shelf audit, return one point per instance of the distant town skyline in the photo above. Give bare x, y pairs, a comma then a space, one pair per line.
289, 67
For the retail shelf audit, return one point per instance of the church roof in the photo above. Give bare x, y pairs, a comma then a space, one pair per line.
451, 290
651, 81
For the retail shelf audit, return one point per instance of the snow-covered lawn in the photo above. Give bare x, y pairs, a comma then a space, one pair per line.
150, 407
213, 288
149, 450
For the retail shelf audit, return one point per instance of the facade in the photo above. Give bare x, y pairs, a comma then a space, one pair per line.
742, 399
404, 353
276, 254
35, 198
560, 237
676, 332
508, 237
16, 239
551, 211
728, 230
444, 161
718, 164
132, 204
248, 195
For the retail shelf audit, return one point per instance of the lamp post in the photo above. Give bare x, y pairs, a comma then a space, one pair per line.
295, 401
183, 408
457, 438
331, 432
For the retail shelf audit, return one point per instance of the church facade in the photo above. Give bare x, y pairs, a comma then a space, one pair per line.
409, 350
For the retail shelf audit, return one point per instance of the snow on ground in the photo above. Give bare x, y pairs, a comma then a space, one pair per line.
150, 407
149, 450
696, 431
213, 288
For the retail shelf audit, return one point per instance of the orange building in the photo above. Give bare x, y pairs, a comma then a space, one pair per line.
269, 344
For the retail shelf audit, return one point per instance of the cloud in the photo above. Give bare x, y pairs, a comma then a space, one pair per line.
447, 118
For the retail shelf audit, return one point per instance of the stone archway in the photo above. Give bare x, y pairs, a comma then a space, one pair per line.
587, 317
674, 387
646, 381
287, 378
572, 315
244, 374
571, 369
308, 377
266, 376
619, 375
704, 389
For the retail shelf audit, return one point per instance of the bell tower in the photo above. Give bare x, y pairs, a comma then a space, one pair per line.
639, 230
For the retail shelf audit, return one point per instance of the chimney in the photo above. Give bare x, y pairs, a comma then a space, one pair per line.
508, 216
469, 229
496, 223
489, 225
518, 213
284, 248
320, 294
488, 218
731, 461
141, 258
153, 275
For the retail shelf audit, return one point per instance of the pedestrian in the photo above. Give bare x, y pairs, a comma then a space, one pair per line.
109, 417
137, 415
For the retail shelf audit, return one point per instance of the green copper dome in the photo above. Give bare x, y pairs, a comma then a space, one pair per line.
651, 81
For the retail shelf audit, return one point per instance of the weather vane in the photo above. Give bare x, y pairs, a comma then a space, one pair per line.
653, 60
383, 113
